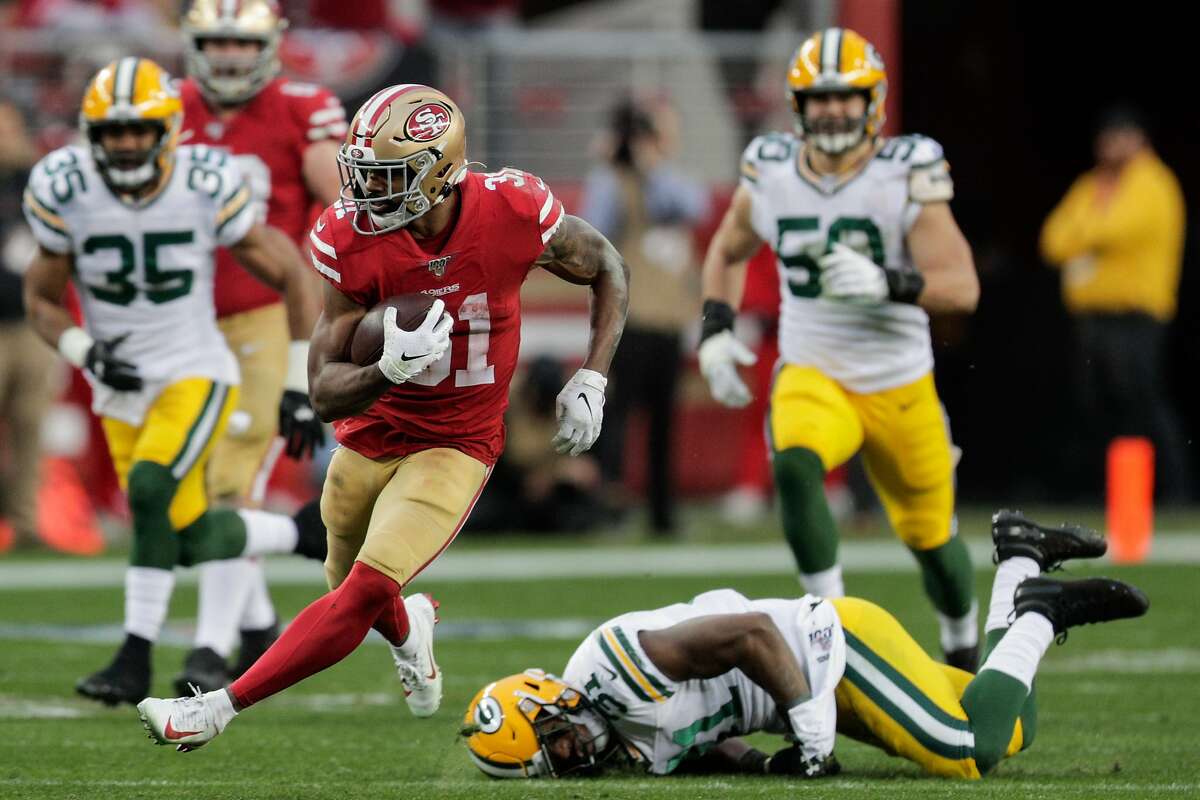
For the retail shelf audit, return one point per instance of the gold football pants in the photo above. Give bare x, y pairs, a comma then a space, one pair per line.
903, 435
396, 515
178, 432
895, 697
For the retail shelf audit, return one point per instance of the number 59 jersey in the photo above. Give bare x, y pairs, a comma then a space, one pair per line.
865, 349
145, 271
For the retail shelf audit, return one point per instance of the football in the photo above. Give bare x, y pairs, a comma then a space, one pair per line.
366, 345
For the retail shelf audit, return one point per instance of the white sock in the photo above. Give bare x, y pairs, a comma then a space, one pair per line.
960, 632
224, 590
258, 612
826, 583
267, 532
221, 706
1009, 575
1021, 649
147, 596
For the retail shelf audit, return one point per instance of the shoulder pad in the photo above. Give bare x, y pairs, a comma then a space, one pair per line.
928, 173
770, 147
62, 175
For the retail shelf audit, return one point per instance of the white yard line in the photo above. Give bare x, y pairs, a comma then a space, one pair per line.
525, 563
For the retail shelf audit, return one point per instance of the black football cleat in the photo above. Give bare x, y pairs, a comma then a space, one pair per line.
965, 658
1068, 604
254, 644
119, 682
310, 530
203, 668
1015, 535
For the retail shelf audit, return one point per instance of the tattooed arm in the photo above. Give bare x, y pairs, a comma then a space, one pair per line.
579, 254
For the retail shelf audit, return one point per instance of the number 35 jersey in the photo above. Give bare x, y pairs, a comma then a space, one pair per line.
145, 271
504, 221
865, 349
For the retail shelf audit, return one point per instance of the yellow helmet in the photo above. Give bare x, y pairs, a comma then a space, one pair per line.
512, 725
414, 136
132, 91
838, 60
230, 80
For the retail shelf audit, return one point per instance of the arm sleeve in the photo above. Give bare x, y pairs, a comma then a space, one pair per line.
823, 659
44, 217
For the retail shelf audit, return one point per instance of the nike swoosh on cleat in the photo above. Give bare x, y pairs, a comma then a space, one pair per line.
432, 666
173, 734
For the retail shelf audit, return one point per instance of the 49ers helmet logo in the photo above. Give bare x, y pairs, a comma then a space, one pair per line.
427, 122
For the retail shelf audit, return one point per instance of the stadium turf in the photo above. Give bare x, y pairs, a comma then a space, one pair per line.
1119, 710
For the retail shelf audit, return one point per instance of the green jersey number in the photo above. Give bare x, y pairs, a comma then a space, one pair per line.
161, 285
803, 271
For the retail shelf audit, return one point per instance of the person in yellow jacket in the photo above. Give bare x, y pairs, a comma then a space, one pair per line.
1117, 237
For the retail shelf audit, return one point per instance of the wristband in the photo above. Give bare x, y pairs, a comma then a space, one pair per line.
74, 345
904, 285
297, 367
716, 316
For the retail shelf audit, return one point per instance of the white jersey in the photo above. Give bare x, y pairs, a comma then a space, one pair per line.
866, 349
145, 271
669, 721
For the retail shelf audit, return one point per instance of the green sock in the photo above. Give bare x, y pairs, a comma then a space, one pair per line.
219, 533
1029, 709
807, 521
151, 487
993, 701
948, 577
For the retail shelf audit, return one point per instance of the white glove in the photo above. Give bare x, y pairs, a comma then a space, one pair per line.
407, 354
850, 277
580, 412
814, 725
719, 356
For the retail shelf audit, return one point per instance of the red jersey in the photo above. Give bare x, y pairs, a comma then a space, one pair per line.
504, 221
268, 137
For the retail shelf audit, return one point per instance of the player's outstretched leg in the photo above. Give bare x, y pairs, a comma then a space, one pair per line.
807, 521
419, 672
186, 722
1043, 608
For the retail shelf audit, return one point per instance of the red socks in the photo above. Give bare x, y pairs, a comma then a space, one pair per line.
392, 622
325, 632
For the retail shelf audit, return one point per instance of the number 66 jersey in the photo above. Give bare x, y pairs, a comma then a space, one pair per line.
144, 271
803, 215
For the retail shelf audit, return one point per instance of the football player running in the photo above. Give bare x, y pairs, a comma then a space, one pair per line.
866, 245
419, 430
283, 135
133, 219
672, 689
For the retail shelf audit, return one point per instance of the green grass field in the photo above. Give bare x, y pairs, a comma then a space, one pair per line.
1119, 708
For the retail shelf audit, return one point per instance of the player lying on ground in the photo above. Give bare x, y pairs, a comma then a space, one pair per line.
672, 689
421, 427
133, 221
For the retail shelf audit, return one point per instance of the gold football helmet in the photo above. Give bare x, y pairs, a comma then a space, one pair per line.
129, 92
534, 725
838, 60
232, 79
405, 151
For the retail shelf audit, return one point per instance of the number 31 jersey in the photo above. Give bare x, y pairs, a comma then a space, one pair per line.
866, 349
145, 271
504, 221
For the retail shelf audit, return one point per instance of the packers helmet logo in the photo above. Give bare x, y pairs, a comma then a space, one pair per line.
489, 716
427, 122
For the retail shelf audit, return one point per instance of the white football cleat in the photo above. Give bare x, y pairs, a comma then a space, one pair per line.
419, 673
186, 722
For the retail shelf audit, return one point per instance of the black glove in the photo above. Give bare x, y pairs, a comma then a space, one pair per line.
102, 362
298, 424
791, 761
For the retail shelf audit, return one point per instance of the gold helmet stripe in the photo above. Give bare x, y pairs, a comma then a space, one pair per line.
124, 81
831, 51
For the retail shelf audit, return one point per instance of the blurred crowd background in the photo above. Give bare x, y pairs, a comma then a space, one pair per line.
636, 113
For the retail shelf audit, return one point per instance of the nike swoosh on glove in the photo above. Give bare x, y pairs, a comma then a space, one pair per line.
848, 276
407, 354
102, 362
720, 355
580, 407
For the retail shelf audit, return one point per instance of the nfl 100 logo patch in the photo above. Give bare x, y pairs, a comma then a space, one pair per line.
438, 265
